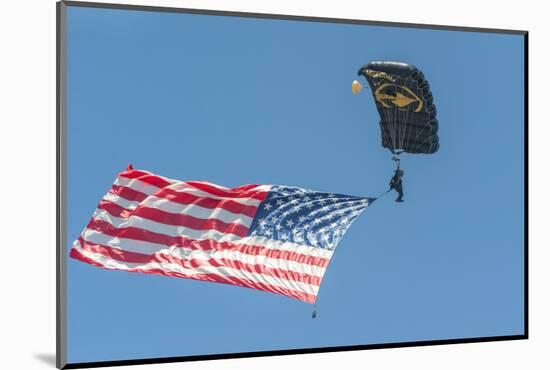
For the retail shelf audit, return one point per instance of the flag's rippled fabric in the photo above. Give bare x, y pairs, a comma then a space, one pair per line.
273, 238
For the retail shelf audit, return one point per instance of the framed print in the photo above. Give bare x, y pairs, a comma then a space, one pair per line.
235, 185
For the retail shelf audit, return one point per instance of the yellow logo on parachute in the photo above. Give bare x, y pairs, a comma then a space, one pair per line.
400, 96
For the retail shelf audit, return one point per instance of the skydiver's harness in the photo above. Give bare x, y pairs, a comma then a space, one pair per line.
397, 161
397, 170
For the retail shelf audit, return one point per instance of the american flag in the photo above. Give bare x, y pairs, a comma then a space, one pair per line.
274, 238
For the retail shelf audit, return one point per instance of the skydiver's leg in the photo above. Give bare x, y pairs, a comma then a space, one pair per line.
399, 189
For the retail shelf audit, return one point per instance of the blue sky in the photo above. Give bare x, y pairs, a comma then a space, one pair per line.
239, 100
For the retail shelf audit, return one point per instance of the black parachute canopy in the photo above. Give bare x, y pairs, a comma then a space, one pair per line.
405, 104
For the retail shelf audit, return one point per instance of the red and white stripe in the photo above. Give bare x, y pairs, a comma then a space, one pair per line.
197, 230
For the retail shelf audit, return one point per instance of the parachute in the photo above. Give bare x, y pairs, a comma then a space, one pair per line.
405, 103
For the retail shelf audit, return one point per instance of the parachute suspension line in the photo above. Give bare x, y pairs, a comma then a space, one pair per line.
387, 136
384, 129
409, 130
399, 123
417, 145
416, 137
391, 117
392, 127
397, 120
424, 141
388, 130
384, 133
402, 124
394, 130
391, 130
405, 126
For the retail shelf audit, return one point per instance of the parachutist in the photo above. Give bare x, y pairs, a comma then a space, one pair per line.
408, 116
396, 183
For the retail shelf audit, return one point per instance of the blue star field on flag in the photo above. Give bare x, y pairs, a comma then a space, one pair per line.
306, 217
